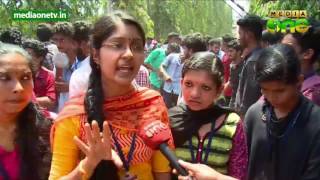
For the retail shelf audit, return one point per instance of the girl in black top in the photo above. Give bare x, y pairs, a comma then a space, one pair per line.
283, 129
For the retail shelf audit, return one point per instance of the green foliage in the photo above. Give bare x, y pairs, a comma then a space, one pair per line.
158, 17
186, 16
263, 7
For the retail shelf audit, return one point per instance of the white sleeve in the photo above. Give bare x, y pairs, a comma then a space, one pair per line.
78, 83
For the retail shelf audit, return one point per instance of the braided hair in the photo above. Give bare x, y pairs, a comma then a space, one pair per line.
102, 29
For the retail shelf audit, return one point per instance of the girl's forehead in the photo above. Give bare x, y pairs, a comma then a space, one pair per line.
125, 31
201, 76
13, 61
12, 56
274, 85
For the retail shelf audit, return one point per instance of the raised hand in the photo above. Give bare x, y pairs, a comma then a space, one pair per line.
98, 145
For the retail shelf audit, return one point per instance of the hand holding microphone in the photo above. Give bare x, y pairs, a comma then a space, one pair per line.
156, 135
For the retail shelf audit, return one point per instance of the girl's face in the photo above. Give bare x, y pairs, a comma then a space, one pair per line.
36, 61
120, 55
198, 89
280, 94
16, 84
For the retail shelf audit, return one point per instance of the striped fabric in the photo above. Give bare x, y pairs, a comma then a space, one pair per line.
220, 148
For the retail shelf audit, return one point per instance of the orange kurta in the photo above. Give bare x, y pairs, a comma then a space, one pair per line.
126, 114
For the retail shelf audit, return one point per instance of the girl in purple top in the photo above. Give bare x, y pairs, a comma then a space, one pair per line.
19, 118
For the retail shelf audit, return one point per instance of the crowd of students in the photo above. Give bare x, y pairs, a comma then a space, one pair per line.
74, 101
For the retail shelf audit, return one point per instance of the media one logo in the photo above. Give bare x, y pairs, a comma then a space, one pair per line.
288, 21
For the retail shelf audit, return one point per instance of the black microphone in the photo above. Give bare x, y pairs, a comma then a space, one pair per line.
159, 141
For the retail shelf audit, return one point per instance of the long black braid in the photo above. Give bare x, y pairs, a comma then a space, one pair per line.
93, 106
94, 97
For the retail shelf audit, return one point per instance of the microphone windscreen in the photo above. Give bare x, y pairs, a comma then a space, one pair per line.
162, 134
60, 60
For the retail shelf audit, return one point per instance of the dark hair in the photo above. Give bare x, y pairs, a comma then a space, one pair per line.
278, 63
174, 47
227, 38
253, 24
234, 44
11, 36
271, 38
102, 29
38, 47
173, 35
205, 61
194, 42
215, 41
207, 38
82, 31
44, 32
64, 28
27, 134
309, 40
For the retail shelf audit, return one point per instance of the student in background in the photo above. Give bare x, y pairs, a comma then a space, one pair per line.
307, 47
215, 47
284, 128
80, 77
142, 78
150, 45
153, 62
226, 61
171, 73
250, 30
44, 34
225, 40
172, 37
44, 83
63, 33
203, 132
234, 52
269, 39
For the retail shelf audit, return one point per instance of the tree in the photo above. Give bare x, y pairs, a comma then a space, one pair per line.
158, 17
263, 7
